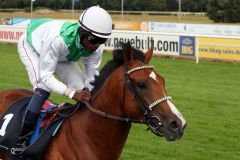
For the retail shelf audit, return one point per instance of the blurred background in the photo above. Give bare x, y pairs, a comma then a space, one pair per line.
196, 50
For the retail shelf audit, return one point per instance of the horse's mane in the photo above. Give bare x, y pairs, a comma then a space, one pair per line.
111, 65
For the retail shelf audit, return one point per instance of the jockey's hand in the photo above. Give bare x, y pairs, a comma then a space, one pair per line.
84, 95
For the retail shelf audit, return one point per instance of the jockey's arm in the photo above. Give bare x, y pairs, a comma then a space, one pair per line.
49, 57
91, 66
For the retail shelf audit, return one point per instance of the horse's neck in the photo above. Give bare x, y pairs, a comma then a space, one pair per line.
102, 135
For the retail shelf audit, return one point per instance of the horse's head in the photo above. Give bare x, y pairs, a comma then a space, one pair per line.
146, 97
139, 92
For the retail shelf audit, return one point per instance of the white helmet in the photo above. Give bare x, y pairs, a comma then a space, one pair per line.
97, 21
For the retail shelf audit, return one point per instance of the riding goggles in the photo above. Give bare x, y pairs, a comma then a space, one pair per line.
95, 40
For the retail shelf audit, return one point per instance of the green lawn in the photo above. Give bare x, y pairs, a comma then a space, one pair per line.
207, 94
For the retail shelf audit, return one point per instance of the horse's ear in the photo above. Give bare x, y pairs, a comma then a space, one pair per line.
127, 52
148, 55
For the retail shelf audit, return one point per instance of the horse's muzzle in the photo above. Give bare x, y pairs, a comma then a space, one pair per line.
171, 131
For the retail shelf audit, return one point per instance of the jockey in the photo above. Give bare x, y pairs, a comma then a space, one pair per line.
49, 50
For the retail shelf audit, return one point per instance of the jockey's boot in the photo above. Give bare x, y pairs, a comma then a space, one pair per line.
24, 137
27, 129
31, 116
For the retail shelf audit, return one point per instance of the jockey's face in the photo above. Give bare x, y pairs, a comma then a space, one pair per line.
89, 41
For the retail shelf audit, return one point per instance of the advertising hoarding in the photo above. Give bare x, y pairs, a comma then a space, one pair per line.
126, 25
187, 46
219, 48
11, 33
163, 44
196, 29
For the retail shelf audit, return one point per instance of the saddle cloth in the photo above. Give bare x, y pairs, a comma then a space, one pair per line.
11, 124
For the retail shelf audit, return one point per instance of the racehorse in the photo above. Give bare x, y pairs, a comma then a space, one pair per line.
127, 90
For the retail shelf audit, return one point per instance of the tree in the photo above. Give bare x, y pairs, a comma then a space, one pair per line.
156, 5
13, 3
171, 5
144, 5
111, 4
224, 10
194, 5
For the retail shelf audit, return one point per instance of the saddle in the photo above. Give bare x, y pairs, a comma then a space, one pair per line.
49, 122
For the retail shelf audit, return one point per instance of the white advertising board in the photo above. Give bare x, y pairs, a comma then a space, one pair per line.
203, 29
11, 33
163, 44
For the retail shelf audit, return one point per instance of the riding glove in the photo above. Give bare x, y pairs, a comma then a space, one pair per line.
84, 95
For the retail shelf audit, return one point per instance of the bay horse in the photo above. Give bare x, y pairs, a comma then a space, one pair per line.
127, 90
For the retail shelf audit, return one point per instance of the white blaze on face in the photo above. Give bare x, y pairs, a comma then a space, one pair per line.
176, 112
153, 76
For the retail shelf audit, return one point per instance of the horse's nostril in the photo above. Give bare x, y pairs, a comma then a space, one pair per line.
174, 125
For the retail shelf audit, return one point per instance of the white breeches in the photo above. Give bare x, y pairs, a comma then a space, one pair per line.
67, 72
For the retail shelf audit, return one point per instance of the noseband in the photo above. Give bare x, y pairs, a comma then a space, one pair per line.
146, 108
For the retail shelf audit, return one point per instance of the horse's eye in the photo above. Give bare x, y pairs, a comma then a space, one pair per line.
141, 85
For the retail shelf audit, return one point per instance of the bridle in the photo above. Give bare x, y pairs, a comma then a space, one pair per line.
151, 120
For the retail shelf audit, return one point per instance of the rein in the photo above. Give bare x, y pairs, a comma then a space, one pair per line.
105, 115
63, 107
